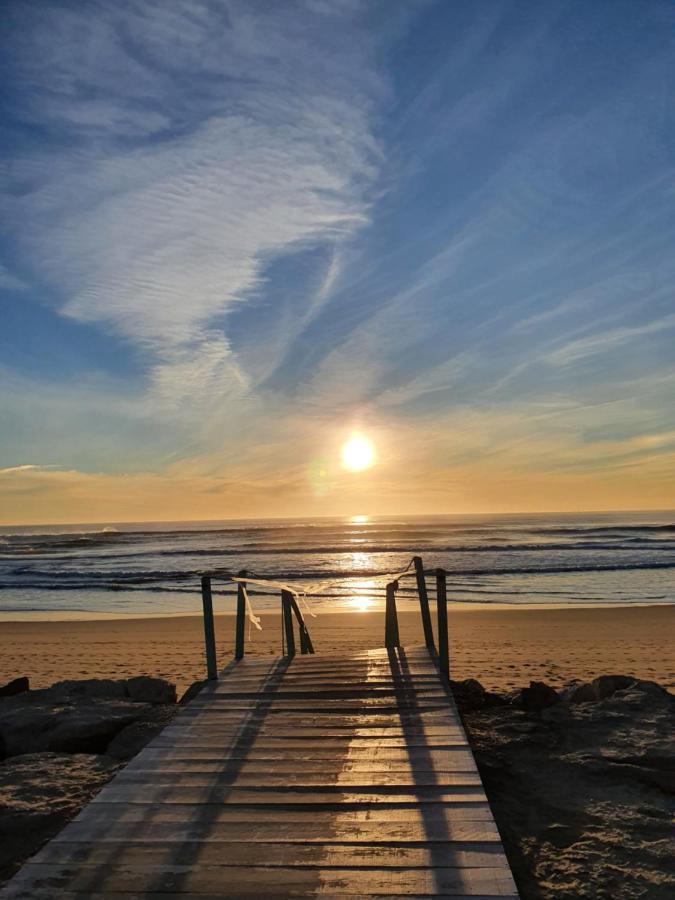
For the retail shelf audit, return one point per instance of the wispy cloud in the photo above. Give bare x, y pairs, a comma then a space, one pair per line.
215, 142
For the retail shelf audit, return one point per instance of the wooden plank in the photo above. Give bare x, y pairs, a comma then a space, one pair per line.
456, 760
361, 781
301, 780
135, 853
270, 832
259, 881
209, 813
336, 798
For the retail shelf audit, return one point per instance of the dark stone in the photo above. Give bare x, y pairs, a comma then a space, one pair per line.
470, 694
144, 689
581, 693
538, 696
16, 686
63, 722
606, 685
599, 689
141, 689
105, 688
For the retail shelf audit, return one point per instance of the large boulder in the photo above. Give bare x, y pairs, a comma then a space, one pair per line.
607, 685
106, 688
16, 686
141, 689
599, 689
538, 696
39, 793
63, 723
470, 694
144, 689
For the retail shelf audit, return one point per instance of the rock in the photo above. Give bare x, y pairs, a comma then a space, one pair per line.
39, 793
16, 686
194, 689
131, 740
606, 685
580, 693
63, 722
93, 687
538, 696
470, 694
144, 689
582, 796
599, 689
141, 689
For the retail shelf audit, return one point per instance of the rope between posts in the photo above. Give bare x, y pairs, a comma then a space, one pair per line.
317, 587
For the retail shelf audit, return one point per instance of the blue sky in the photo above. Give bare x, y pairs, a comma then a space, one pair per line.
234, 232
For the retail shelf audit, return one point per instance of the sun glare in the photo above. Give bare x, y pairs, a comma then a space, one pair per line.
358, 453
360, 604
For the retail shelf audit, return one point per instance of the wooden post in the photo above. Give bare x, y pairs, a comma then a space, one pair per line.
241, 621
391, 638
442, 611
209, 630
287, 608
306, 645
424, 602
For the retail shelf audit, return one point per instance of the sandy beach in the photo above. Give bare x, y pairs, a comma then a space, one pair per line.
503, 648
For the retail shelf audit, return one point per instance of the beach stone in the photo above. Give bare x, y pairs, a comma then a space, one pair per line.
39, 794
584, 795
470, 694
93, 687
599, 689
58, 721
606, 685
16, 686
537, 696
580, 693
144, 689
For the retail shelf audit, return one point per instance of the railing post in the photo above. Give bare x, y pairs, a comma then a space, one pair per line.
424, 602
306, 645
442, 612
209, 630
287, 608
241, 621
391, 638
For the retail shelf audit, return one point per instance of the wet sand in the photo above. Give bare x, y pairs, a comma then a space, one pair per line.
503, 648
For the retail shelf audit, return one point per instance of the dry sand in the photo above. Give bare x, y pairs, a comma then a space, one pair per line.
503, 648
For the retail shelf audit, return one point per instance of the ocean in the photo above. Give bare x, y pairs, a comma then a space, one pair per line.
155, 568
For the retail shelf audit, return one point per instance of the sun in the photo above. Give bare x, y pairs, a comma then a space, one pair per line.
358, 453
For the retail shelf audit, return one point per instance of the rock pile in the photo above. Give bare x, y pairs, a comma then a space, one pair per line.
60, 745
581, 784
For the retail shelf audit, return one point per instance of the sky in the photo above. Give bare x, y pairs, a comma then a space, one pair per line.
234, 233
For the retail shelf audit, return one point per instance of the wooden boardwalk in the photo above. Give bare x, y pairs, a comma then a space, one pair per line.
324, 775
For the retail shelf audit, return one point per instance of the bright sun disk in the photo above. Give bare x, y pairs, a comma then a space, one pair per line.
358, 453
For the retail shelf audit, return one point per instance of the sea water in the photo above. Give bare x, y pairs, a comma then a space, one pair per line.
155, 568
